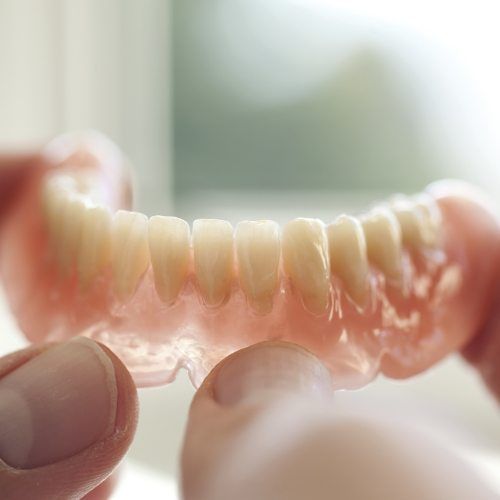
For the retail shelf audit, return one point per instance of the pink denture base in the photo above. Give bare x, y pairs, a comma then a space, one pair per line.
402, 330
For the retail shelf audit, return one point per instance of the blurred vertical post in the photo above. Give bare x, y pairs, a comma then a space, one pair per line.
148, 133
116, 66
30, 79
72, 65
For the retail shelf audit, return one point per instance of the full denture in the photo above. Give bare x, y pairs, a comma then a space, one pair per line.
393, 290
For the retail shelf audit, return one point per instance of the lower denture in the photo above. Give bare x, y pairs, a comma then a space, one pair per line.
393, 291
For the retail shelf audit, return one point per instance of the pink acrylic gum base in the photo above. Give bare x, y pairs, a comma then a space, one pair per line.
399, 333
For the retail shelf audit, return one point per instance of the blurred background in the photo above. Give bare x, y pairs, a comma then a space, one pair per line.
268, 108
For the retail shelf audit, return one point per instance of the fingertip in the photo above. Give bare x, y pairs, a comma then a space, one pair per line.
265, 371
15, 169
247, 394
483, 353
77, 414
127, 413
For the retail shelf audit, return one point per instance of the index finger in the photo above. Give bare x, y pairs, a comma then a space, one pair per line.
14, 169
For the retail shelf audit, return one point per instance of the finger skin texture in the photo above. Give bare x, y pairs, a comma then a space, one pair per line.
249, 442
14, 170
484, 351
75, 476
105, 489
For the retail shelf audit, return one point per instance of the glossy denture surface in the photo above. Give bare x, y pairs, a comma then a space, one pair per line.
393, 290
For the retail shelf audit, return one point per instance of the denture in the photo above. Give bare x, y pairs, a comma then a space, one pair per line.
389, 291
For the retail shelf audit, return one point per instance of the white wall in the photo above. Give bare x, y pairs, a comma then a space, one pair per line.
73, 64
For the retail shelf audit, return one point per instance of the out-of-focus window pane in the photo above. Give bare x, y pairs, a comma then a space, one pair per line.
294, 94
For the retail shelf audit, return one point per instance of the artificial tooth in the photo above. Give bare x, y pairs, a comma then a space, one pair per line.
348, 257
383, 241
258, 253
430, 216
213, 259
169, 248
95, 246
69, 232
306, 262
129, 251
411, 222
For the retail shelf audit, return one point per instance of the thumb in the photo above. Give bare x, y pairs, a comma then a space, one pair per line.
68, 413
260, 427
244, 417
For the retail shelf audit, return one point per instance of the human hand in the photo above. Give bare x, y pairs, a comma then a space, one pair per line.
68, 413
261, 426
14, 170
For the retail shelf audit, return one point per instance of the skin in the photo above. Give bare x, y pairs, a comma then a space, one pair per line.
261, 426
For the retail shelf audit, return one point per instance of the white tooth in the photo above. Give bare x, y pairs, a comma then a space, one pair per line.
348, 258
169, 248
95, 246
69, 233
306, 262
213, 259
129, 251
430, 214
258, 252
383, 241
411, 221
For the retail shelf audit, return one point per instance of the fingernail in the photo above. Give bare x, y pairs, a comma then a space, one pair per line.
270, 370
57, 404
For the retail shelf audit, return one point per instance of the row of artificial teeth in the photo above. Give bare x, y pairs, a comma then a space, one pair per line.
310, 252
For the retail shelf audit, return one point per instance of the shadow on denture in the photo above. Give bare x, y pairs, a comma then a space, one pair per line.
392, 291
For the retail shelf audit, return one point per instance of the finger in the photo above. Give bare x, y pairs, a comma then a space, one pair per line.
68, 413
262, 426
105, 489
235, 413
14, 170
484, 352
